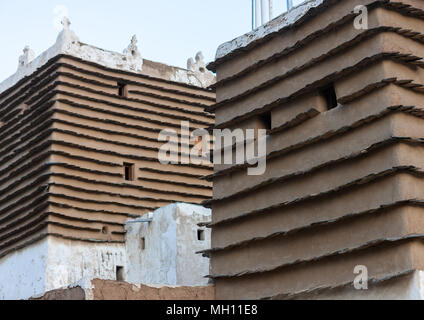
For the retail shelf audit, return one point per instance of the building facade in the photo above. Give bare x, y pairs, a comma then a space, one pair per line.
162, 247
339, 87
79, 131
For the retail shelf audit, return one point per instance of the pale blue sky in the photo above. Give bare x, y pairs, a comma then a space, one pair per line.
169, 31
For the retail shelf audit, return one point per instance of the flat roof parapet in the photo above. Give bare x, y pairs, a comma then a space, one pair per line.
130, 60
274, 26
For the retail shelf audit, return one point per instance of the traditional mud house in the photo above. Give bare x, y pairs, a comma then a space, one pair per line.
343, 189
79, 156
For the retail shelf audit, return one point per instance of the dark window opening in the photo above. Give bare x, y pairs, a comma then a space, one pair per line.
105, 230
266, 119
201, 235
122, 90
143, 243
330, 97
119, 273
129, 171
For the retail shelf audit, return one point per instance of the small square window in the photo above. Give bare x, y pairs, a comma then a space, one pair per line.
129, 171
201, 235
119, 273
122, 90
266, 120
330, 96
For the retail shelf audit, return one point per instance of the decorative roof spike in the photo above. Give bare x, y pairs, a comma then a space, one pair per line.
133, 56
198, 67
67, 37
66, 23
191, 65
200, 57
200, 61
27, 57
132, 48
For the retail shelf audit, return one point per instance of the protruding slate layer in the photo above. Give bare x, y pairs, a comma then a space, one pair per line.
343, 184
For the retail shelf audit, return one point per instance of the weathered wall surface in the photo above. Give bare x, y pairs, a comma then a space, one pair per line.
96, 132
192, 267
170, 250
406, 287
112, 290
57, 263
70, 294
343, 184
170, 245
71, 261
23, 273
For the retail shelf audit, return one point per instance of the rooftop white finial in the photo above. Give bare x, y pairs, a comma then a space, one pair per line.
198, 66
133, 56
26, 58
66, 23
134, 41
191, 65
67, 37
200, 58
132, 49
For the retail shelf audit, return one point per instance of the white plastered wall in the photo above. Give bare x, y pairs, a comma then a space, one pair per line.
54, 263
169, 257
71, 261
23, 273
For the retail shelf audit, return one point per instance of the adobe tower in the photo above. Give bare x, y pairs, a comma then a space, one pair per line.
79, 132
339, 86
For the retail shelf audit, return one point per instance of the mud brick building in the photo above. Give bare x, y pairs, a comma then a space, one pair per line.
344, 184
79, 149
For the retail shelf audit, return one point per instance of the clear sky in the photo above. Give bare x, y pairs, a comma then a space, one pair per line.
169, 31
